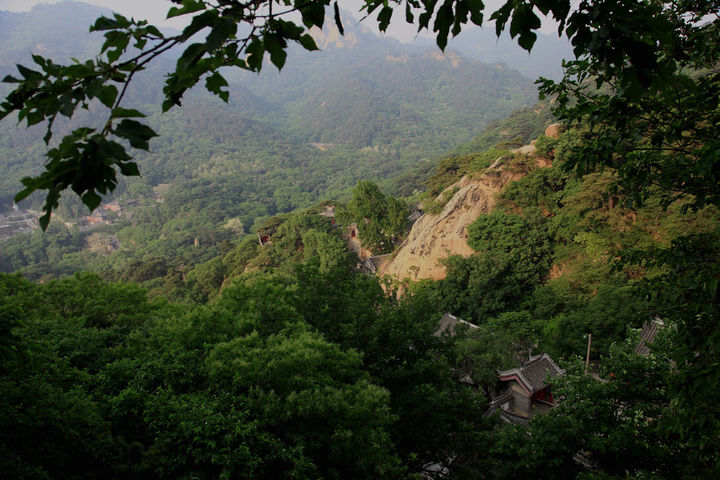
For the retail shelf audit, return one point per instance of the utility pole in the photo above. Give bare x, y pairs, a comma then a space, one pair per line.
587, 357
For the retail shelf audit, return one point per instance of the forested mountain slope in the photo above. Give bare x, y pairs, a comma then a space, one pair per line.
205, 352
381, 105
399, 96
363, 108
444, 230
274, 356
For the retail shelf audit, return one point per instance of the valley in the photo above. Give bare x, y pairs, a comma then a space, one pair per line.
381, 262
283, 142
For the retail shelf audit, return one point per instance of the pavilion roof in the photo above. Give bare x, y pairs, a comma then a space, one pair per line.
533, 373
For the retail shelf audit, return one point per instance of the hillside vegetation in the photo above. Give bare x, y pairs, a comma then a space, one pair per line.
209, 348
407, 105
279, 354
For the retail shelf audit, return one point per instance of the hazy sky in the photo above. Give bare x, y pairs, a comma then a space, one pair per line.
155, 11
152, 10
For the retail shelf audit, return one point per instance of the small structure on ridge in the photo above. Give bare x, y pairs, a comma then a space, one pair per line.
371, 265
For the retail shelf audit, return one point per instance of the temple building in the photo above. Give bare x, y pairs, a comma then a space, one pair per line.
525, 391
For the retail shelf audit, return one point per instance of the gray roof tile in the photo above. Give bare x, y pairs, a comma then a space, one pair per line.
533, 373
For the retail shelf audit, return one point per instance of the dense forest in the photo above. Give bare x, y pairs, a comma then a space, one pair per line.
282, 361
288, 129
219, 323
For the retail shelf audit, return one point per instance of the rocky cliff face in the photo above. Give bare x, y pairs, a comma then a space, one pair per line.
435, 237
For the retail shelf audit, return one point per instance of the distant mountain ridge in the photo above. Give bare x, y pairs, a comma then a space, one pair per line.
544, 61
398, 95
58, 30
383, 106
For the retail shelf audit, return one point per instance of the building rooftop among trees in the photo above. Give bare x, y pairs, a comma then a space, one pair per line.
525, 391
449, 322
649, 332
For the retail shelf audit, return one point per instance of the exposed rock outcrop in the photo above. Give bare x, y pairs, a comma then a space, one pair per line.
554, 130
435, 237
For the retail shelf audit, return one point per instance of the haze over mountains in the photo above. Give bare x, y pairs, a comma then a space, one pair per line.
545, 60
369, 106
240, 312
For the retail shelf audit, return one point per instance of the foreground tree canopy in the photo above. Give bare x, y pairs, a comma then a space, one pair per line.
652, 109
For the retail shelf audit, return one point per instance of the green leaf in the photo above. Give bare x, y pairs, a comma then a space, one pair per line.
112, 150
169, 103
384, 18
313, 14
107, 95
48, 134
120, 112
461, 14
443, 21
129, 169
39, 60
527, 40
501, 16
274, 44
409, 17
308, 43
476, 8
199, 22
188, 6
29, 74
116, 42
255, 52
153, 30
338, 20
104, 23
25, 192
190, 57
34, 117
214, 84
66, 105
122, 22
524, 21
92, 200
44, 220
136, 133
221, 31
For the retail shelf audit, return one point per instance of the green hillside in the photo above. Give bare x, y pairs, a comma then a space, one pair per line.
219, 319
270, 354
381, 115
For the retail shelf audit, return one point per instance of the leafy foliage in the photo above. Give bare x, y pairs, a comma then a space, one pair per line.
248, 385
381, 218
646, 84
275, 380
234, 35
515, 255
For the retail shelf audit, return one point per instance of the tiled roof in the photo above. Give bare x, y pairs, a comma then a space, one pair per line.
448, 323
533, 373
503, 397
372, 264
648, 334
414, 216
